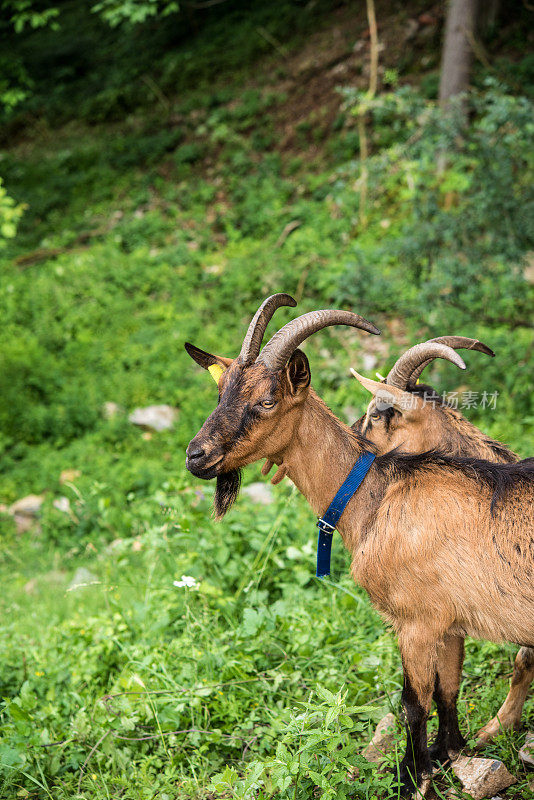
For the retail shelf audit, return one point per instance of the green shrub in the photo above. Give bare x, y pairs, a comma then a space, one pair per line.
10, 214
451, 254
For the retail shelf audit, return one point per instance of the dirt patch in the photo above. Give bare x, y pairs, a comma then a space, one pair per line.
338, 55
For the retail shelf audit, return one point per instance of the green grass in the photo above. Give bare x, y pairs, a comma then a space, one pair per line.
141, 235
202, 678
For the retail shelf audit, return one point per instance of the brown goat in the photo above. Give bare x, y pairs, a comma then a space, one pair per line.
431, 424
444, 546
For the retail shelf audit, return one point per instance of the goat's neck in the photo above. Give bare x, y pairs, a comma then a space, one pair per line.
320, 456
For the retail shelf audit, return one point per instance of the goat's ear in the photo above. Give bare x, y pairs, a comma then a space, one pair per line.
387, 396
298, 372
208, 360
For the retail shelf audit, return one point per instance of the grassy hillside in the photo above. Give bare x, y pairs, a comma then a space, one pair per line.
167, 196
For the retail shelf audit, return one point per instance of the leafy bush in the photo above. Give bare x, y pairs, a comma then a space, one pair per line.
10, 214
447, 247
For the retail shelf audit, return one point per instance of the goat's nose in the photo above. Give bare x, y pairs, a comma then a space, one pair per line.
194, 452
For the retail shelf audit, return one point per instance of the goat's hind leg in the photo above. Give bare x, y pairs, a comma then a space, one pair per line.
418, 653
509, 714
449, 740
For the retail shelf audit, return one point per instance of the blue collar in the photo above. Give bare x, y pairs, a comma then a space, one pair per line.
328, 522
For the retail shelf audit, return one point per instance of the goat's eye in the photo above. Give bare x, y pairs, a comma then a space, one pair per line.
267, 403
376, 417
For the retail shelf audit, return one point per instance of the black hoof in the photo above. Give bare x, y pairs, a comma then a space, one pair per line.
410, 780
456, 744
439, 755
444, 750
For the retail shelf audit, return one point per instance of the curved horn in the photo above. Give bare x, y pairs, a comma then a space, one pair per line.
283, 344
256, 330
401, 372
457, 343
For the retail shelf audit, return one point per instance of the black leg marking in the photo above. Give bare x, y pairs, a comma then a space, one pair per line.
416, 763
449, 738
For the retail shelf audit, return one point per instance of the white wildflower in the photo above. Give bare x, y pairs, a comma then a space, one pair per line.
188, 581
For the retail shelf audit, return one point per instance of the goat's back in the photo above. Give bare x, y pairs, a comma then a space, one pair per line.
452, 542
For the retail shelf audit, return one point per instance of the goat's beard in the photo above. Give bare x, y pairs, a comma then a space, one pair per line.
226, 492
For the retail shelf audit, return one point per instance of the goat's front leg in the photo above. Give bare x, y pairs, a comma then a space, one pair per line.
449, 741
418, 651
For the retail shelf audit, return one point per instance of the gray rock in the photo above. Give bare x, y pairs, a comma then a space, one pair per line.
62, 504
82, 577
259, 493
382, 741
482, 777
28, 506
110, 409
25, 511
526, 754
158, 418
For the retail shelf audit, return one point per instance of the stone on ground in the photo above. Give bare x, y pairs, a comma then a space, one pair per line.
158, 418
526, 754
26, 510
62, 504
382, 740
28, 506
110, 409
482, 777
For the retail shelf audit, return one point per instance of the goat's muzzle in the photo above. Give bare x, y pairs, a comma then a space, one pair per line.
200, 463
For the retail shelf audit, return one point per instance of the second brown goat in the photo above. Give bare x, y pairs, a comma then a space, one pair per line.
430, 423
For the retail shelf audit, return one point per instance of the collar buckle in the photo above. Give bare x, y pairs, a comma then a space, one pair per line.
325, 527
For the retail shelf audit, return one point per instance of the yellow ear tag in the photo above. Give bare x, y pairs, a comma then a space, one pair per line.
216, 371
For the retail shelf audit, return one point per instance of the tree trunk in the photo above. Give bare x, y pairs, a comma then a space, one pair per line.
457, 49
